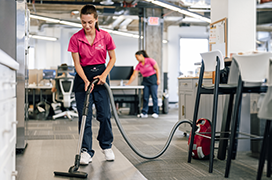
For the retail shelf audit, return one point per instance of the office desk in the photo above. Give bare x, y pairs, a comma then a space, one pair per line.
34, 88
117, 91
123, 91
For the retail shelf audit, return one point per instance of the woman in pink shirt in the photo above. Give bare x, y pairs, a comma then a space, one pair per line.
151, 79
89, 48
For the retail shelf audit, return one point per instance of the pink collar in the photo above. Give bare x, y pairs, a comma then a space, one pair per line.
83, 38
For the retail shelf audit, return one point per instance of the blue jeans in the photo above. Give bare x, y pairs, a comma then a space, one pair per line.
150, 90
102, 105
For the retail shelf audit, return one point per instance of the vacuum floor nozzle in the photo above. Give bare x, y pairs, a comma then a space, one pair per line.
77, 174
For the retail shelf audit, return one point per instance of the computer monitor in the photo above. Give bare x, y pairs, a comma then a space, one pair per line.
49, 74
121, 72
72, 70
66, 69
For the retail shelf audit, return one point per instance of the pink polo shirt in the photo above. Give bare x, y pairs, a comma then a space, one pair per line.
91, 54
148, 68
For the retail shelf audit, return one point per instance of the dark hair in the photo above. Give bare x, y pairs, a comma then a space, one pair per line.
90, 9
64, 67
142, 52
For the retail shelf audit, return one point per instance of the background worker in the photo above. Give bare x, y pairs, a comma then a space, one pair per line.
149, 69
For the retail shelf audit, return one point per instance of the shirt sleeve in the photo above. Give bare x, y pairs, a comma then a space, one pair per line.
73, 44
137, 68
109, 42
152, 62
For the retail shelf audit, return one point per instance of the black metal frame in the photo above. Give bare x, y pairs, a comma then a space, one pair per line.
235, 119
215, 91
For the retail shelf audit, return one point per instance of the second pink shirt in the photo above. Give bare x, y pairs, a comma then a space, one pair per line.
147, 69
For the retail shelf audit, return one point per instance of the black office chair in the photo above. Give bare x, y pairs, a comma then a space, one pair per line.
64, 94
253, 70
211, 61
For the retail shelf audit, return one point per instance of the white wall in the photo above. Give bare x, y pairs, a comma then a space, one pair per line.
241, 26
241, 23
47, 53
174, 35
125, 50
219, 13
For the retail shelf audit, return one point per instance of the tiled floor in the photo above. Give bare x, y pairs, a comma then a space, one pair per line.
52, 144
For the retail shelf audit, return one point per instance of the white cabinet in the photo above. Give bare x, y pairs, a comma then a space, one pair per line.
187, 93
8, 121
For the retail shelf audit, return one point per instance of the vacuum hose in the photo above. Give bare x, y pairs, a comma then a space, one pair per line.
136, 150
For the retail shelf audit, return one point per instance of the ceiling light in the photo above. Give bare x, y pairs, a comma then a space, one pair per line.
44, 18
75, 12
71, 23
43, 37
179, 9
199, 10
106, 2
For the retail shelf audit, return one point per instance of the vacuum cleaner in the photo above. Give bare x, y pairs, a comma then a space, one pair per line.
73, 171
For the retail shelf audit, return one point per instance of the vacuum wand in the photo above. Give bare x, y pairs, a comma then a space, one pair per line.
73, 170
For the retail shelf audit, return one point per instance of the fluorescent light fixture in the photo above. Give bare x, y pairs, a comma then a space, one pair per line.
43, 37
44, 18
74, 24
179, 9
71, 23
167, 6
122, 33
199, 10
75, 12
55, 20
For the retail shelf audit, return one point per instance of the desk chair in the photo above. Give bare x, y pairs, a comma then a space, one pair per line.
211, 61
253, 71
64, 86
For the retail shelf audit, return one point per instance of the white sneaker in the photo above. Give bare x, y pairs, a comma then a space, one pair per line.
154, 115
109, 155
85, 158
142, 115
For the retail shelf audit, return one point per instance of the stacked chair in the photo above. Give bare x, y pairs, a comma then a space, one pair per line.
265, 112
253, 70
211, 61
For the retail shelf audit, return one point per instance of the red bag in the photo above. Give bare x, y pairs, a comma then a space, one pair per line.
201, 146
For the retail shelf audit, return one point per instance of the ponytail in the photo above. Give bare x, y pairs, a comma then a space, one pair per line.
142, 52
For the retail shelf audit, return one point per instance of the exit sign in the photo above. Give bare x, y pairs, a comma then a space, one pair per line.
153, 21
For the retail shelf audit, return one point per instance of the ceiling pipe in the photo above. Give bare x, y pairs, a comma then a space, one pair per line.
264, 28
124, 24
116, 22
